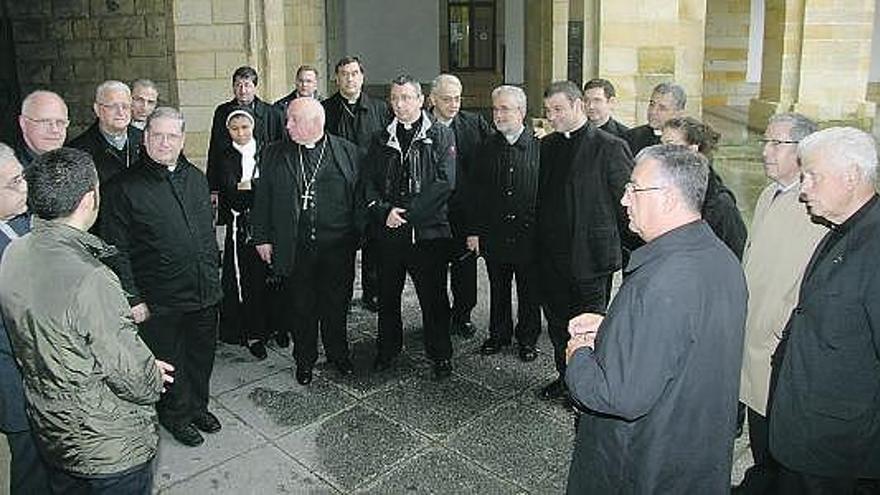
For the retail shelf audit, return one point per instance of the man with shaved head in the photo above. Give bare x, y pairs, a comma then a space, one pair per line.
43, 123
304, 221
112, 141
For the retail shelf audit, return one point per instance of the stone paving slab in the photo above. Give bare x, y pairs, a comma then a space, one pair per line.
353, 447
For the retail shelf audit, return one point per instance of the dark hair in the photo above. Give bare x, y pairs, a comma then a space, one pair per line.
695, 132
349, 59
404, 79
245, 72
605, 84
568, 88
306, 68
685, 169
58, 180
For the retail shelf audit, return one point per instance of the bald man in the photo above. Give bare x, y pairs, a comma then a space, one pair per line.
312, 238
43, 123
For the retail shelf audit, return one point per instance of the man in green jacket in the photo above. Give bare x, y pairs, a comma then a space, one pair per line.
89, 381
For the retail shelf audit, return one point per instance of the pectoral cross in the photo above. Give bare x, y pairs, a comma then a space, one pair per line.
308, 198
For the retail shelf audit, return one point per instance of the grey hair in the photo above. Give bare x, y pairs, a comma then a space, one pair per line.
844, 146
443, 79
111, 86
515, 92
31, 99
7, 154
685, 169
166, 113
801, 126
678, 94
144, 83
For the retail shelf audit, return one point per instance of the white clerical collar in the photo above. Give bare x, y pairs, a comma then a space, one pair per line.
657, 132
780, 189
568, 134
172, 168
116, 140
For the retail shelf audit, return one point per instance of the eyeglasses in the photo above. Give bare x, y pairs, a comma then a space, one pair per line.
15, 183
630, 188
49, 124
159, 137
118, 107
776, 142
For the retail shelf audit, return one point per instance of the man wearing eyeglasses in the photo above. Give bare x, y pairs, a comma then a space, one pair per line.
659, 374
158, 214
43, 123
112, 141
782, 239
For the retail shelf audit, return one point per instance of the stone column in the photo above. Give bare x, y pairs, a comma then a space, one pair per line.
644, 43
816, 61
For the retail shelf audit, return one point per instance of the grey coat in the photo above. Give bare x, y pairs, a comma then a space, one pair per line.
661, 385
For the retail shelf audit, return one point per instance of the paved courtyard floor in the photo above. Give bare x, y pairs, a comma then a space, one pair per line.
484, 431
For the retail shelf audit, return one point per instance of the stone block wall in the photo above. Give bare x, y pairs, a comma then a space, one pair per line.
727, 52
71, 46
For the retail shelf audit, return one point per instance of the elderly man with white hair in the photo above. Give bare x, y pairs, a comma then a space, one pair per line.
112, 141
825, 404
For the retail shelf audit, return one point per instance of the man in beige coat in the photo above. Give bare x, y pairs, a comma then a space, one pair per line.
781, 241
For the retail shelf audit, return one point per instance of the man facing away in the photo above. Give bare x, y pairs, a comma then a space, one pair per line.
782, 239
159, 217
90, 382
659, 374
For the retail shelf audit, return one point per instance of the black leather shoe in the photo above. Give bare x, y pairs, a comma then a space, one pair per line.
527, 353
492, 346
304, 375
258, 350
465, 328
343, 366
186, 434
554, 390
207, 422
383, 364
442, 369
282, 339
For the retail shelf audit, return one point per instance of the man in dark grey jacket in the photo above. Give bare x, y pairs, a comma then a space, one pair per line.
90, 382
659, 375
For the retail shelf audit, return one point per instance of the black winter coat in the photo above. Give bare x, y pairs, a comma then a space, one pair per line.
371, 116
432, 153
615, 128
721, 213
640, 138
162, 224
108, 160
470, 130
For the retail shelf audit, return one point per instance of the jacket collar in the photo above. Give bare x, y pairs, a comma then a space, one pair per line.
678, 239
63, 232
422, 133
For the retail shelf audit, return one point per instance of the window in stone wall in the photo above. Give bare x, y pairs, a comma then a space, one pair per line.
471, 35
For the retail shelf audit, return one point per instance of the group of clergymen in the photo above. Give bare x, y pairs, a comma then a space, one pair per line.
657, 373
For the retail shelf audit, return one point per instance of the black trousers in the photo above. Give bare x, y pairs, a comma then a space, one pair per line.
246, 318
27, 471
425, 261
187, 341
462, 270
136, 481
563, 297
320, 286
528, 308
790, 482
369, 270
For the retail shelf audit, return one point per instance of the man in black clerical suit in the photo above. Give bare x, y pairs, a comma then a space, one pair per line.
305, 225
599, 101
667, 101
409, 177
470, 131
579, 217
353, 115
268, 125
306, 86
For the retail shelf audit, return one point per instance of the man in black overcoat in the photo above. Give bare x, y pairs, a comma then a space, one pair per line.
667, 101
